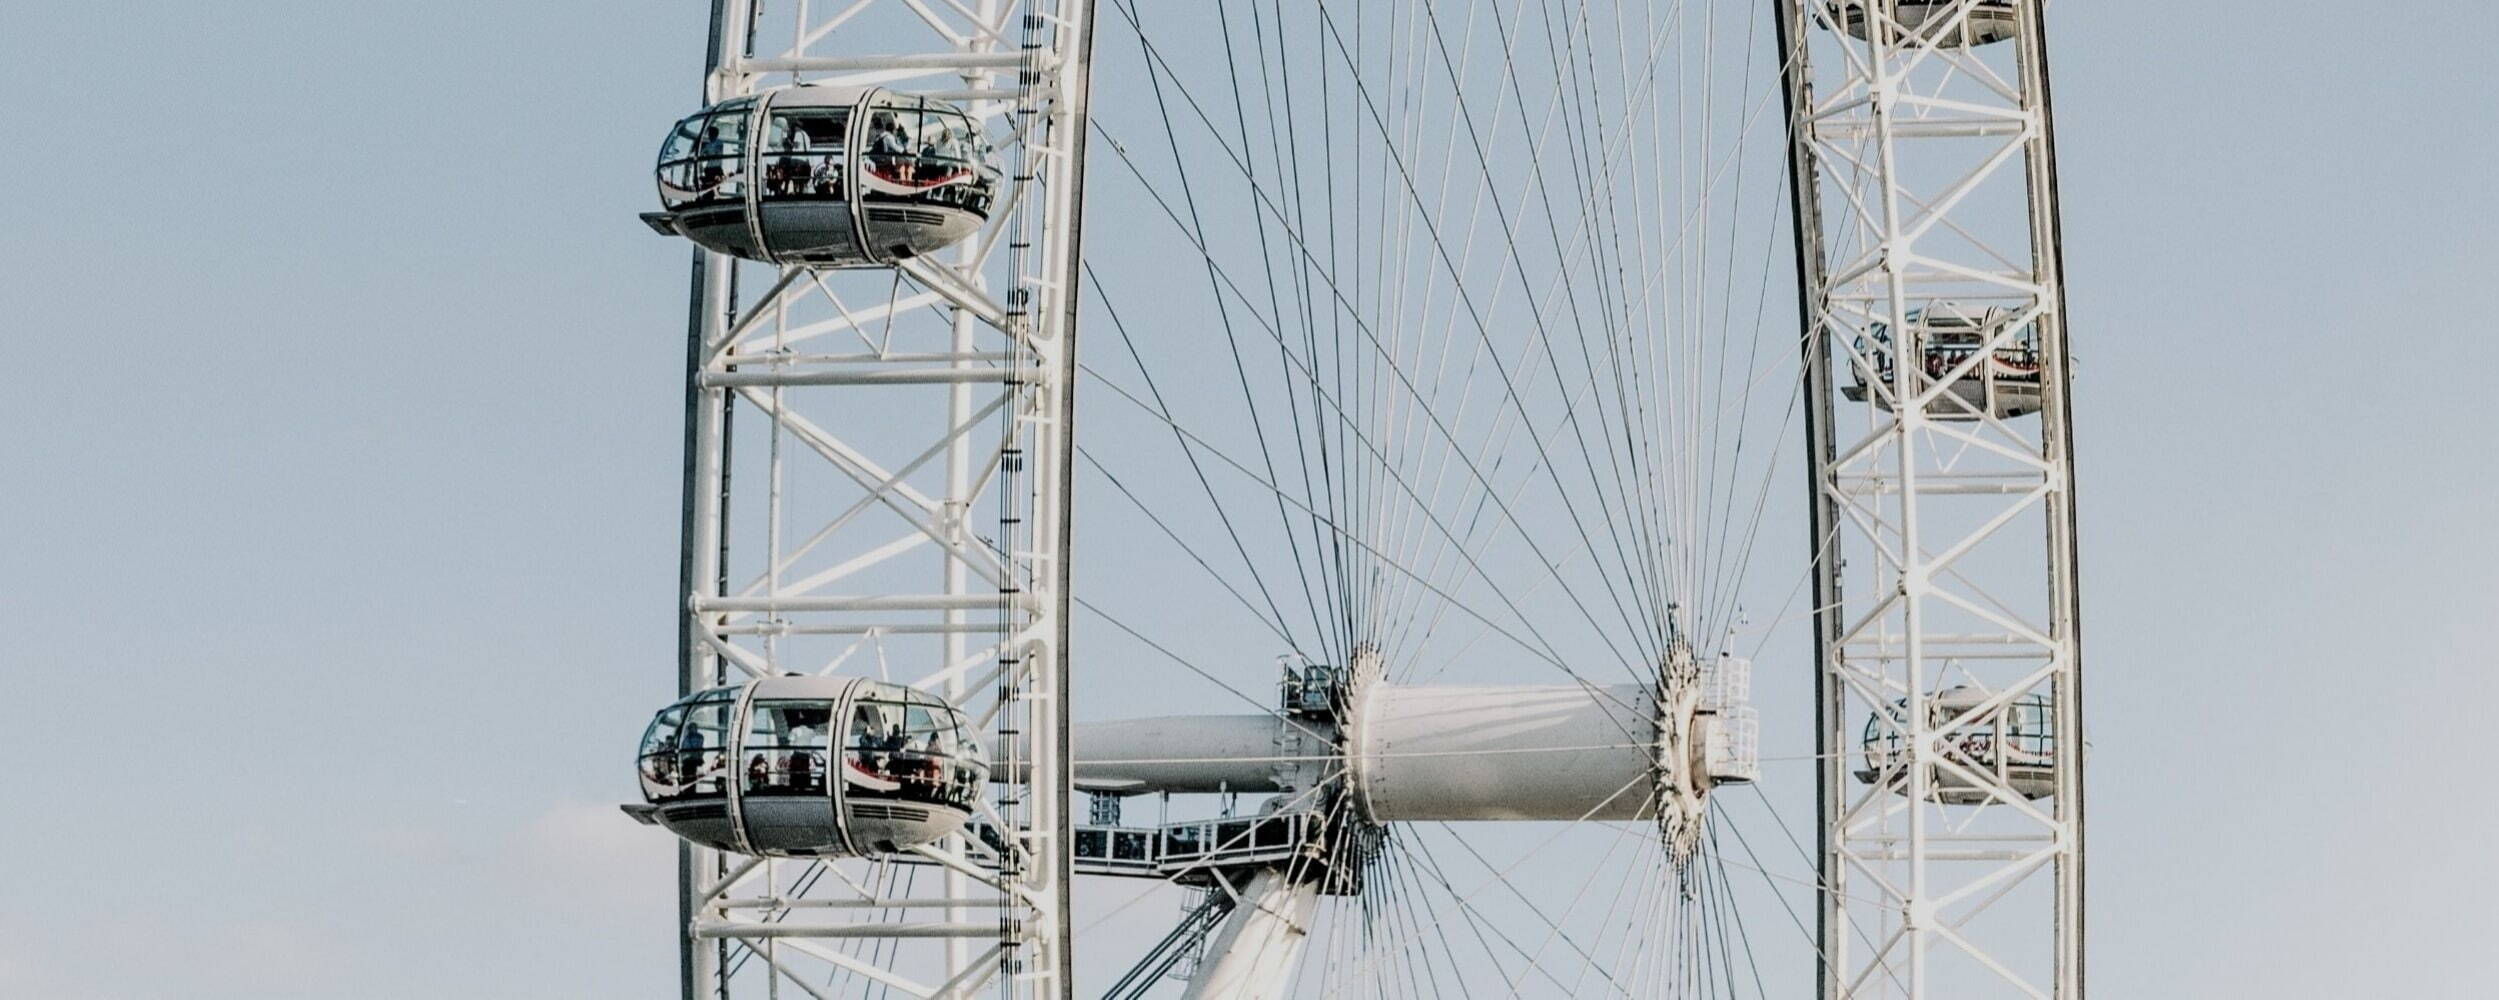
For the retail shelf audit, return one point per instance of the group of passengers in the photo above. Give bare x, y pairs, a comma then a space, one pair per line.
794, 170
797, 169
798, 771
920, 764
1978, 746
894, 156
883, 748
923, 762
684, 764
2012, 363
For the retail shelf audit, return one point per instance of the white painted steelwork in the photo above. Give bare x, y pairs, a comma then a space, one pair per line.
1255, 950
933, 550
1547, 752
1923, 172
876, 484
1182, 754
1432, 753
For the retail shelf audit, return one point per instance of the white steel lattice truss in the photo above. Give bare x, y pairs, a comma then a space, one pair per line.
876, 486
1943, 529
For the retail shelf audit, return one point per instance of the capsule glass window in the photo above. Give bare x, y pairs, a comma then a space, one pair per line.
718, 168
906, 746
803, 153
916, 148
658, 759
703, 745
785, 746
677, 173
2033, 731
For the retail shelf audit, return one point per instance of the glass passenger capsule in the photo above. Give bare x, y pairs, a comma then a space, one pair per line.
1989, 20
810, 767
2014, 746
1947, 336
828, 176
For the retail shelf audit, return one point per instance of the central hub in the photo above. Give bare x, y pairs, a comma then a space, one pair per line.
1707, 735
1348, 745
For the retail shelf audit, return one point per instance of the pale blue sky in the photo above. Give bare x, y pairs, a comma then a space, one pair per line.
342, 459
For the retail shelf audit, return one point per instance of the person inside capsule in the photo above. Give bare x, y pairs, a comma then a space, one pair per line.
785, 747
887, 146
790, 172
659, 753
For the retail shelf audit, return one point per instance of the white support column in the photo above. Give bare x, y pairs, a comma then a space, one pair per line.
699, 868
958, 501
1254, 954
1942, 512
876, 469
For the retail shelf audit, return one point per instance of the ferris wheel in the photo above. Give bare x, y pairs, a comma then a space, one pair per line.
1443, 412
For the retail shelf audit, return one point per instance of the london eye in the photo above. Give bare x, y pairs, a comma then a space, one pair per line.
1567, 500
